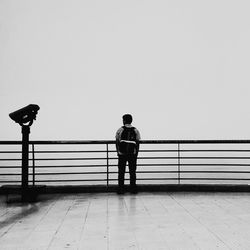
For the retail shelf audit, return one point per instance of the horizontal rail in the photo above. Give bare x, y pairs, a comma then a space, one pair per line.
141, 142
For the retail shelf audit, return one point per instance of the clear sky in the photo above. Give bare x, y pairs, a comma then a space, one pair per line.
181, 68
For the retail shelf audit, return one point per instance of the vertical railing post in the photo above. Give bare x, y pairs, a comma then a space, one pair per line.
179, 165
107, 155
33, 164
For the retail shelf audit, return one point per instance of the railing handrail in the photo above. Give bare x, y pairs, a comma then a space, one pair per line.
6, 142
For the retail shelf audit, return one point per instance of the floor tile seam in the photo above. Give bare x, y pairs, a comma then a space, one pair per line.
17, 221
83, 227
203, 225
235, 218
182, 228
225, 223
60, 224
133, 233
43, 216
153, 220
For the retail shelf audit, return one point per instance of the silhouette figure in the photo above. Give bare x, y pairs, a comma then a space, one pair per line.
127, 147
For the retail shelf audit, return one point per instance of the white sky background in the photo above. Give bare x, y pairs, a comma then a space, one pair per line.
181, 68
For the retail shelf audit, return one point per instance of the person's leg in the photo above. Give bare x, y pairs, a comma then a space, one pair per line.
132, 172
121, 173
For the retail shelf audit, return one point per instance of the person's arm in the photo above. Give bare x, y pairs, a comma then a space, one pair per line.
137, 147
117, 139
138, 138
117, 146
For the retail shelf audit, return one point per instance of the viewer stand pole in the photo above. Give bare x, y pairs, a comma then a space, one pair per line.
25, 162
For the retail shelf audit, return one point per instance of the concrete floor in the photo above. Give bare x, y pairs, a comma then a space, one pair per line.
144, 221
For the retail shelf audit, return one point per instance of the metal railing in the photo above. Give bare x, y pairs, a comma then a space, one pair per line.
159, 162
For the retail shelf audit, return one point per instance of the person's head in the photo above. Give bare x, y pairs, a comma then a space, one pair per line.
127, 119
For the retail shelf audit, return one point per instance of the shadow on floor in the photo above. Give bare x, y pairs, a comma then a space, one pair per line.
15, 211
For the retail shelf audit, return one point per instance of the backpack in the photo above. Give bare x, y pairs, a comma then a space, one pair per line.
127, 145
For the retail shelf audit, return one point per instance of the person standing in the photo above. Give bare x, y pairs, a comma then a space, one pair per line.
127, 147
